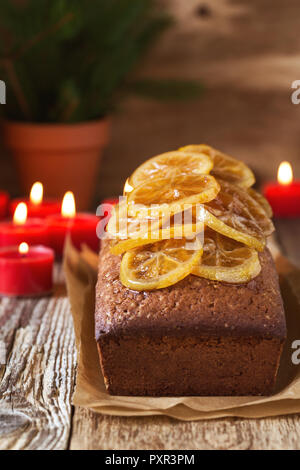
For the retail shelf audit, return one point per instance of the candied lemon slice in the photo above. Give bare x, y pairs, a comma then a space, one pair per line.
235, 214
220, 227
170, 164
262, 201
160, 264
164, 196
226, 260
225, 167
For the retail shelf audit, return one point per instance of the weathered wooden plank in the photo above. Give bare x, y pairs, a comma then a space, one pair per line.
38, 377
92, 431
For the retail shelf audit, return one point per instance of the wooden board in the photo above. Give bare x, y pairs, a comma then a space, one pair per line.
37, 379
91, 431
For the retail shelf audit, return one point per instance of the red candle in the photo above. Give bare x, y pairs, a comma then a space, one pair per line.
37, 206
26, 271
31, 231
4, 200
284, 196
80, 227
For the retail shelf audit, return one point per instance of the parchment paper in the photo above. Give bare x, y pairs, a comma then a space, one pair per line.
81, 275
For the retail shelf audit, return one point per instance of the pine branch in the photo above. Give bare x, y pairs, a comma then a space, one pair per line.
44, 34
69, 61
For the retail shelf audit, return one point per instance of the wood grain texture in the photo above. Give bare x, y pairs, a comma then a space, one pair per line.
92, 431
37, 381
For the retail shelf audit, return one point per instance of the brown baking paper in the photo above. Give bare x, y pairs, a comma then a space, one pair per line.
81, 274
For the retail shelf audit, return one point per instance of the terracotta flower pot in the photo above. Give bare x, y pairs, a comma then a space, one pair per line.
62, 156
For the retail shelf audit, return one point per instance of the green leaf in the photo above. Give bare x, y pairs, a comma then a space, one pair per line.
72, 59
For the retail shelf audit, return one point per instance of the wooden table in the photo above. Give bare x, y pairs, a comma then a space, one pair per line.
37, 382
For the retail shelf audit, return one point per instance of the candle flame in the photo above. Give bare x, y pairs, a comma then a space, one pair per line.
20, 215
285, 173
23, 248
36, 193
127, 188
68, 208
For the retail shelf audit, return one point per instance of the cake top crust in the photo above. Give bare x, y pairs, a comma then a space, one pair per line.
192, 306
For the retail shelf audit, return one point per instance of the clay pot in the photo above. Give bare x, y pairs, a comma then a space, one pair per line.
64, 157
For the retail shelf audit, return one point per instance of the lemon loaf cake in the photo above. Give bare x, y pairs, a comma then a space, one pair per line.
188, 300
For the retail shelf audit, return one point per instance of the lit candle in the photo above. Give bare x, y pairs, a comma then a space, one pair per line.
80, 227
26, 271
36, 204
30, 230
284, 196
4, 201
127, 188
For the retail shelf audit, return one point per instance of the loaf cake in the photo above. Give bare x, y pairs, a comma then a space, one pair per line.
198, 336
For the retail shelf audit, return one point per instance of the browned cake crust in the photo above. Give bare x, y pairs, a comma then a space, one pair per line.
197, 337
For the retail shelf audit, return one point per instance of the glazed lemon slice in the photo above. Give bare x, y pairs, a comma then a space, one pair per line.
261, 201
235, 214
170, 164
230, 232
227, 260
225, 167
159, 265
164, 196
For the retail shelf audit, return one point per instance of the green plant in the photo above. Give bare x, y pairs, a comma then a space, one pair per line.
70, 61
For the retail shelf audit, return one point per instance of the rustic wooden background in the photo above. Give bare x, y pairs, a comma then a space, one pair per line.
246, 54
